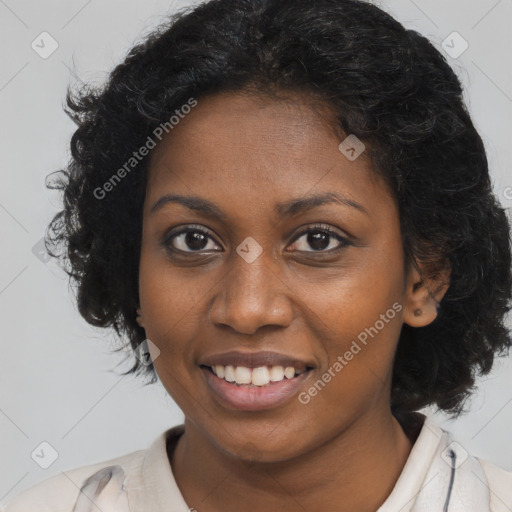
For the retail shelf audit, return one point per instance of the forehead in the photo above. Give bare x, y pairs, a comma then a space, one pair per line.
261, 148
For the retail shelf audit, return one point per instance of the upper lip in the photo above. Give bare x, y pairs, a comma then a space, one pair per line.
254, 360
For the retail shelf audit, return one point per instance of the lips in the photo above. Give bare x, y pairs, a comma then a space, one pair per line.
254, 381
255, 360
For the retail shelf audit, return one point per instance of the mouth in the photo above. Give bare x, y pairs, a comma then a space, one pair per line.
254, 387
254, 377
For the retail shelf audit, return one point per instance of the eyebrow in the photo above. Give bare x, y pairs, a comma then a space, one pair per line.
287, 208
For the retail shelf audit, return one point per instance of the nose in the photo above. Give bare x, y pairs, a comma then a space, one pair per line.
251, 295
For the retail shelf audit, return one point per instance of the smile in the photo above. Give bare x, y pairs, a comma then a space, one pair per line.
254, 389
260, 376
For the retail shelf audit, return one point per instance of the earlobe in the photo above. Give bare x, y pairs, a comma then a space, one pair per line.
139, 317
423, 297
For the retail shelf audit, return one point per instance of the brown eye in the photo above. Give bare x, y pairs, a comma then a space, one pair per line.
190, 239
320, 239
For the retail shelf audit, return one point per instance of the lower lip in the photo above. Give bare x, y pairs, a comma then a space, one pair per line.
254, 398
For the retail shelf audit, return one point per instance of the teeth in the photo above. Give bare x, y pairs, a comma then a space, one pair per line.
242, 375
229, 373
276, 373
219, 371
289, 372
260, 376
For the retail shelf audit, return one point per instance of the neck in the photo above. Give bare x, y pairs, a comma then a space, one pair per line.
334, 476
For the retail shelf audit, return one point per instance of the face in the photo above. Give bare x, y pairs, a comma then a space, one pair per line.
273, 252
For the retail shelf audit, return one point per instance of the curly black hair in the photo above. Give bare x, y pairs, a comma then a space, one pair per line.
387, 85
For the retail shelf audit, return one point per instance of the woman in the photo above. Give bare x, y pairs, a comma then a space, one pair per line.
285, 205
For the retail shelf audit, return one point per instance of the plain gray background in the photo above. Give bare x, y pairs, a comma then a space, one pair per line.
58, 381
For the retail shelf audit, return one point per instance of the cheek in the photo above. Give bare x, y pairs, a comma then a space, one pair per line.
171, 318
349, 299
358, 370
361, 313
166, 305
167, 295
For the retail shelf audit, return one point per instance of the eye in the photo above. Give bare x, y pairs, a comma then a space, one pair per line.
321, 239
190, 239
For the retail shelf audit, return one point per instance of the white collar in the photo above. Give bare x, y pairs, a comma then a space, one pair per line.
439, 476
424, 485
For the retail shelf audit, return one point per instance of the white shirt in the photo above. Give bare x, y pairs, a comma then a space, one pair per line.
439, 476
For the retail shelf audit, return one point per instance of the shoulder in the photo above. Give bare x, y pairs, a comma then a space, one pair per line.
441, 471
500, 486
59, 493
479, 477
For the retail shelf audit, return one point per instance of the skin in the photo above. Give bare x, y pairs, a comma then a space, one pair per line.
246, 153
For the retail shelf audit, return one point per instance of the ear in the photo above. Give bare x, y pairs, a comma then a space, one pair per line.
139, 317
424, 294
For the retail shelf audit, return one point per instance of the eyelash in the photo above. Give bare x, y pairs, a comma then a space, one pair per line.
344, 242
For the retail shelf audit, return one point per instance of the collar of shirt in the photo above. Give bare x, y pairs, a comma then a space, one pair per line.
439, 475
